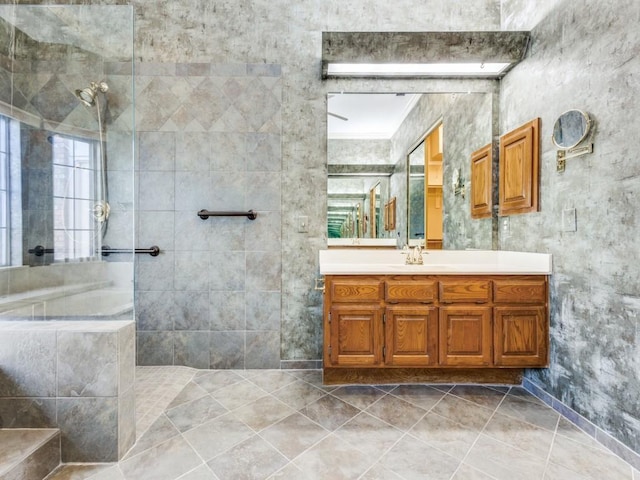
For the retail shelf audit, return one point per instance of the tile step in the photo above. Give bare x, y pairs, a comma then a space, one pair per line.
28, 453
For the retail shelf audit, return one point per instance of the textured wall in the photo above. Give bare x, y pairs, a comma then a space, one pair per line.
585, 55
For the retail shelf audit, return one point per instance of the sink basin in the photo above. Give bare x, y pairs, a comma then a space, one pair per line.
425, 268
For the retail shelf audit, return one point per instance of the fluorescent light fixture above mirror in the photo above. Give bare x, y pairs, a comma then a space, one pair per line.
416, 69
422, 54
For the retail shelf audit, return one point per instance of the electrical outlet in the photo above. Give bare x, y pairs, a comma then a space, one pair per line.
504, 225
303, 223
569, 220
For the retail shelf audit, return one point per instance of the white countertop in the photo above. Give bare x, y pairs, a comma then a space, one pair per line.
350, 261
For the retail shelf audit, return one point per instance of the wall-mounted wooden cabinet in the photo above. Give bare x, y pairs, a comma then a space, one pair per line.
482, 182
444, 322
519, 169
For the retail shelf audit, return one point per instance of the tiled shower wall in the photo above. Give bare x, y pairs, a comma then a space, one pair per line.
209, 138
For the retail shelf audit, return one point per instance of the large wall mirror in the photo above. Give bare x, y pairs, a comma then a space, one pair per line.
405, 146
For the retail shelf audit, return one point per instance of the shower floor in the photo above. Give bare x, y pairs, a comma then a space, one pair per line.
284, 424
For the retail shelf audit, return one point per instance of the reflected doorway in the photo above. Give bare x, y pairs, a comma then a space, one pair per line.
425, 162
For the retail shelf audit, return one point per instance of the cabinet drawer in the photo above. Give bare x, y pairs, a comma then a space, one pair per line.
411, 291
465, 291
356, 290
533, 290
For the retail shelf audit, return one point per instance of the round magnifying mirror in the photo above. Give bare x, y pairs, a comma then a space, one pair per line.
571, 128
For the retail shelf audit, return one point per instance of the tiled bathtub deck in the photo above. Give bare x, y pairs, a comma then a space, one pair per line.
259, 424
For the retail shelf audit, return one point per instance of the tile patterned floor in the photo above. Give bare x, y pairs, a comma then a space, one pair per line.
274, 424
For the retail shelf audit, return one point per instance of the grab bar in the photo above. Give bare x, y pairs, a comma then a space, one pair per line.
39, 250
204, 214
154, 251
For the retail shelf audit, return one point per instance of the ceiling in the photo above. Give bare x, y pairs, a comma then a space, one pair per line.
369, 115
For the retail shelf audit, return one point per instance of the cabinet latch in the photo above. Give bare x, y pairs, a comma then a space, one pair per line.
384, 353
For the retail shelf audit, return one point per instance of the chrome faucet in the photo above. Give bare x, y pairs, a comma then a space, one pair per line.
414, 255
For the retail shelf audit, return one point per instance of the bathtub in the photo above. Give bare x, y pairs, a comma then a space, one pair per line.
87, 301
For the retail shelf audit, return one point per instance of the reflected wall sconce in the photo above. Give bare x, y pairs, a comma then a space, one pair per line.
457, 183
422, 54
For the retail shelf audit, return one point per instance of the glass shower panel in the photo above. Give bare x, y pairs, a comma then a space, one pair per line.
66, 91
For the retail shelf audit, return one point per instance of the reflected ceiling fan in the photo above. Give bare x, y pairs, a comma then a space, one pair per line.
335, 115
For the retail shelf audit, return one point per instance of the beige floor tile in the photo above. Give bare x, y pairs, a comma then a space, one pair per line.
332, 458
212, 380
295, 415
558, 472
378, 472
444, 434
371, 436
532, 412
422, 396
293, 435
360, 396
414, 460
503, 461
238, 394
191, 414
272, 380
218, 435
330, 412
483, 396
525, 436
465, 472
396, 412
203, 472
166, 461
468, 414
263, 413
253, 459
299, 394
587, 461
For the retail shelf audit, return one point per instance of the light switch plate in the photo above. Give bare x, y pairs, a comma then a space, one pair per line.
569, 220
303, 223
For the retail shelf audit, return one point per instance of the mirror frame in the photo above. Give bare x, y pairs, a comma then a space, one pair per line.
557, 127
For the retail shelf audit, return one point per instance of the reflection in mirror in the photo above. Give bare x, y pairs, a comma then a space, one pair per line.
415, 203
370, 137
571, 128
354, 206
375, 217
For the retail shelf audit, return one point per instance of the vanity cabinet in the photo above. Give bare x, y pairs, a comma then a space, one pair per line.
439, 322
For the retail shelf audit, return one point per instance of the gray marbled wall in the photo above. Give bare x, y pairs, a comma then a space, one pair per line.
585, 55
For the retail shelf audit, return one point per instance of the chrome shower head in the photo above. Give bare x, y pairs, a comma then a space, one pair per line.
88, 95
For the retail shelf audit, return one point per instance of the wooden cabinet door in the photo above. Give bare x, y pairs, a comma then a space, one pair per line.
482, 182
519, 176
355, 335
411, 336
521, 336
465, 336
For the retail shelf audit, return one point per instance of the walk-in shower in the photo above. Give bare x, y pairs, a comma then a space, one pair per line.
66, 151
